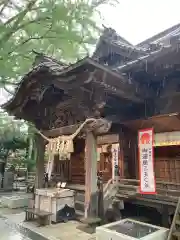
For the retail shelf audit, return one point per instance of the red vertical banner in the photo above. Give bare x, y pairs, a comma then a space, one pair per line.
146, 161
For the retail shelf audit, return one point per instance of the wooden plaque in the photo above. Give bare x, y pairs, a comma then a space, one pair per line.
108, 139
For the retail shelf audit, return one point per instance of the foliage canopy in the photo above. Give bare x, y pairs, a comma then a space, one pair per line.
64, 29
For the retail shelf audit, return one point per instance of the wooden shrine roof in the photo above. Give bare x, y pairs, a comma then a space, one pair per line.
149, 57
51, 72
161, 37
50, 85
133, 55
121, 72
110, 41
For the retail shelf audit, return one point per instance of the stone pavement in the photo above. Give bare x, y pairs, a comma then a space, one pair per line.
58, 231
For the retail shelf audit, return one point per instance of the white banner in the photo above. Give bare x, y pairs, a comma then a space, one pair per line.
146, 162
115, 158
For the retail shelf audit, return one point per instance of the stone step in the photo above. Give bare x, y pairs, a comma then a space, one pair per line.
80, 197
176, 234
91, 221
178, 222
79, 206
79, 214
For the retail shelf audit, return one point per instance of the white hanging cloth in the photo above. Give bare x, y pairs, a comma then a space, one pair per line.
62, 145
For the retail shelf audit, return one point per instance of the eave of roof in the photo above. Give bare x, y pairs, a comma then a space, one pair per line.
148, 57
47, 62
57, 70
118, 42
160, 35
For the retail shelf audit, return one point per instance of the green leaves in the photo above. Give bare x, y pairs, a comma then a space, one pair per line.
11, 129
60, 28
13, 136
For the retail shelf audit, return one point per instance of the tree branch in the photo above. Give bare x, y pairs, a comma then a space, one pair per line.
30, 39
7, 90
13, 29
8, 83
33, 21
97, 3
14, 4
3, 7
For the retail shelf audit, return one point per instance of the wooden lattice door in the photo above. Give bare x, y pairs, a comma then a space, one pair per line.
62, 169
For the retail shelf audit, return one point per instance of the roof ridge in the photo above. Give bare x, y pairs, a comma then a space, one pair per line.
159, 35
41, 57
113, 35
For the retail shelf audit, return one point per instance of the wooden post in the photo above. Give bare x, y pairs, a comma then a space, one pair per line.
100, 197
40, 145
91, 176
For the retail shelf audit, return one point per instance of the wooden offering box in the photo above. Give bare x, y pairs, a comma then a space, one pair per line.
53, 200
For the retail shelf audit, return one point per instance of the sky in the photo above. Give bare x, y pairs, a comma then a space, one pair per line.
3, 96
137, 20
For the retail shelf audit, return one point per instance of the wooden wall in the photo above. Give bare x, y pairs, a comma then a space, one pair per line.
127, 158
78, 162
105, 165
129, 145
72, 170
167, 163
62, 168
167, 159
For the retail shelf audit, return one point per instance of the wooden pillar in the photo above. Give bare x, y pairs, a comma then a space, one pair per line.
91, 176
40, 148
100, 197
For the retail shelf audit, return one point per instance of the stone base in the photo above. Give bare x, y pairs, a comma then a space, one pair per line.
15, 202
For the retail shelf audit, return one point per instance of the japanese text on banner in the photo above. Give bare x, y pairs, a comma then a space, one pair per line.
115, 153
146, 162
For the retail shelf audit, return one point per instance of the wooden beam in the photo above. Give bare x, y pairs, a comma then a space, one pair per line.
103, 126
72, 82
66, 130
118, 91
116, 84
108, 139
104, 139
108, 70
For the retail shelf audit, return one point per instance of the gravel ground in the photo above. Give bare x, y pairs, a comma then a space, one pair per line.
10, 231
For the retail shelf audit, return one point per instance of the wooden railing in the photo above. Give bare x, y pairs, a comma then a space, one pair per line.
166, 191
168, 187
158, 182
107, 186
